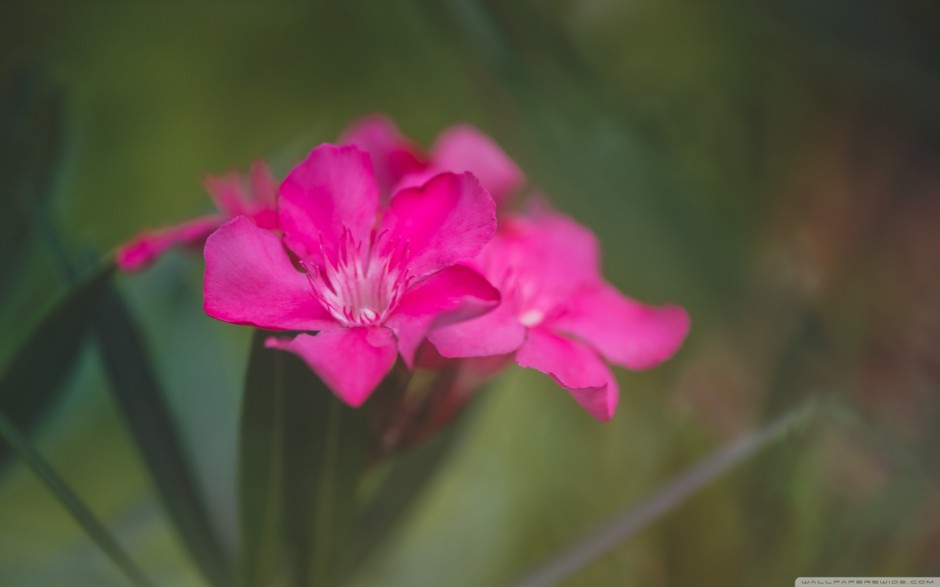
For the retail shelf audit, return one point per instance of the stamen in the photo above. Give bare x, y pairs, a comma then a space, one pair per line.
365, 281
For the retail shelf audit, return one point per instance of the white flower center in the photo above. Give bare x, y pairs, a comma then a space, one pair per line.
364, 284
532, 317
522, 294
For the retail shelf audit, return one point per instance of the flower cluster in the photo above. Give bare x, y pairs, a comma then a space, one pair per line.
372, 249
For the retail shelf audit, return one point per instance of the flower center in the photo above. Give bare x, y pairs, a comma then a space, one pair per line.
364, 283
531, 318
524, 296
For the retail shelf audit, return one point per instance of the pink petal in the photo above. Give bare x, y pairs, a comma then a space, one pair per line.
496, 333
574, 367
550, 249
450, 295
263, 186
332, 189
416, 179
146, 247
350, 361
446, 221
464, 148
228, 193
250, 280
265, 218
393, 155
625, 331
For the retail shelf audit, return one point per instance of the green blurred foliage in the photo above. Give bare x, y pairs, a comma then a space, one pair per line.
771, 166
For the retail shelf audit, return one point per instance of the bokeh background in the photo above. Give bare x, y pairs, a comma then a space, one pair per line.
772, 166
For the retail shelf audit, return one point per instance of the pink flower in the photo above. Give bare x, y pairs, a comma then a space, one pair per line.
231, 198
371, 283
397, 162
400, 163
559, 316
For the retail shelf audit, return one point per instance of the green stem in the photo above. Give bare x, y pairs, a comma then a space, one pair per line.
323, 522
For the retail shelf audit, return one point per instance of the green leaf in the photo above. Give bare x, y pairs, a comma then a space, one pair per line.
70, 500
30, 151
36, 125
261, 462
34, 375
140, 400
303, 453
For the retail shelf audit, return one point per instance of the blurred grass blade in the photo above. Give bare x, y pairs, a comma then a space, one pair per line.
36, 372
141, 402
302, 455
664, 500
30, 151
133, 382
58, 487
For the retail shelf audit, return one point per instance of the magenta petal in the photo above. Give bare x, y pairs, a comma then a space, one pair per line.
415, 179
146, 247
331, 190
351, 361
265, 218
627, 332
446, 221
496, 333
250, 280
263, 186
263, 201
452, 294
228, 193
393, 156
573, 366
464, 148
551, 249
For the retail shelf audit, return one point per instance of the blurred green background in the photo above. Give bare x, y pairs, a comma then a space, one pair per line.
774, 167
